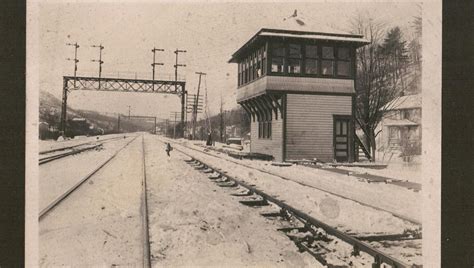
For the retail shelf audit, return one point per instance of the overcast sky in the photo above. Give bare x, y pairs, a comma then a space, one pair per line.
209, 32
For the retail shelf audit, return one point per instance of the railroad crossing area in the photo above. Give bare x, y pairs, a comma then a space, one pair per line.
120, 200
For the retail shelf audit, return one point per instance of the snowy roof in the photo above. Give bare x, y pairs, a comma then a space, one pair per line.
298, 22
296, 26
405, 102
400, 122
316, 36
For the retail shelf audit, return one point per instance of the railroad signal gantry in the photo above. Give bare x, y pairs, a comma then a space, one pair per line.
122, 85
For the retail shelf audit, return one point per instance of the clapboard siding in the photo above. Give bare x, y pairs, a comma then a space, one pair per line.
252, 89
309, 125
273, 146
310, 84
295, 84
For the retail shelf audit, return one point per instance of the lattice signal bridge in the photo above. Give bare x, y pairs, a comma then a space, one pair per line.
124, 85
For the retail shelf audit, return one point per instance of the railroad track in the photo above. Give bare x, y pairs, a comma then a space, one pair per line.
359, 242
72, 150
74, 146
145, 223
309, 234
405, 218
68, 192
146, 256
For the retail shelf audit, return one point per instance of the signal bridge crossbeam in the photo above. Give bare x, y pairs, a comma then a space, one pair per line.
120, 85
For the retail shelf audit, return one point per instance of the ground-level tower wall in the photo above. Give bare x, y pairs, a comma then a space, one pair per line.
309, 125
272, 146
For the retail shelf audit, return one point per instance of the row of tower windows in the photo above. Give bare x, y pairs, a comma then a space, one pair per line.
297, 60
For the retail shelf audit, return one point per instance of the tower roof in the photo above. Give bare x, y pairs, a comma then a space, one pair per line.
296, 26
298, 22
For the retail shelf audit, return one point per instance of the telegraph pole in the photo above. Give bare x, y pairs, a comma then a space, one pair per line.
183, 94
99, 60
64, 98
118, 124
128, 112
174, 127
175, 114
155, 63
194, 118
76, 46
222, 115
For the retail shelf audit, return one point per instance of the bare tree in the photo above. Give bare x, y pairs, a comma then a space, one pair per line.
380, 71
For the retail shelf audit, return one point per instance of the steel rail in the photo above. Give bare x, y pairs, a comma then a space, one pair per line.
414, 221
379, 257
58, 200
145, 223
48, 159
59, 156
74, 146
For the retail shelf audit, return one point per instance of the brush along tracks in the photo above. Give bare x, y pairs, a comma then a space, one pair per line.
328, 245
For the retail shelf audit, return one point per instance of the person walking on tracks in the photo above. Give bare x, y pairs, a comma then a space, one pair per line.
168, 149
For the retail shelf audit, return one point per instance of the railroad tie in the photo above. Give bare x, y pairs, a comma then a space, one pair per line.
233, 184
215, 176
208, 170
247, 193
255, 203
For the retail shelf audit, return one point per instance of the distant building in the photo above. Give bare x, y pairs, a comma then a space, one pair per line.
401, 127
298, 86
233, 131
43, 130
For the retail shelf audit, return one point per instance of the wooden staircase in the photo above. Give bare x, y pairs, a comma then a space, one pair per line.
362, 154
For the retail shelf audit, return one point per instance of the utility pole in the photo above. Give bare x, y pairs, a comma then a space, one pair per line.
194, 118
118, 124
166, 128
155, 63
174, 127
175, 114
64, 98
222, 121
183, 94
177, 51
76, 46
128, 112
99, 60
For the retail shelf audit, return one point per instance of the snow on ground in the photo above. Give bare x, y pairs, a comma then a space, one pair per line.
60, 175
194, 223
392, 198
100, 224
410, 251
395, 170
346, 214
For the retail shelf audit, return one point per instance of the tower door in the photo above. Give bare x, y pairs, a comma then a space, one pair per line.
341, 139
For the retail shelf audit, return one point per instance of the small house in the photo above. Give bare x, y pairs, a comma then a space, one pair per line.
298, 86
401, 127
